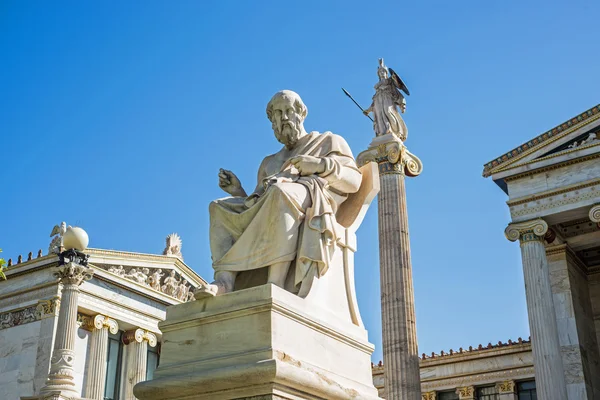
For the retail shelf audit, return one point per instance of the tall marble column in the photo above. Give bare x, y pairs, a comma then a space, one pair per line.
549, 372
400, 353
137, 342
100, 325
72, 271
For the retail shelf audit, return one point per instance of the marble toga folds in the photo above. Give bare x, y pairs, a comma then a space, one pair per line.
288, 218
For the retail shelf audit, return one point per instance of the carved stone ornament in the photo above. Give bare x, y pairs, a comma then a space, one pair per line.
467, 392
168, 282
173, 246
393, 157
73, 273
595, 214
139, 335
506, 387
525, 231
98, 322
429, 396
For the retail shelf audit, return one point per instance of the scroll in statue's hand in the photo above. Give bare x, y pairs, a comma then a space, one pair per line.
308, 165
230, 183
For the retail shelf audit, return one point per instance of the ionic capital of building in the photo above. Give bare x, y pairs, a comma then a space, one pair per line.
429, 396
506, 387
532, 230
73, 268
466, 392
140, 335
595, 214
392, 156
99, 322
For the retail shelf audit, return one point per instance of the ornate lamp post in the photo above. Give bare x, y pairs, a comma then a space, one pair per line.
72, 271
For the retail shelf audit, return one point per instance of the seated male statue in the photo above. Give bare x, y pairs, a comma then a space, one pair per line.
287, 225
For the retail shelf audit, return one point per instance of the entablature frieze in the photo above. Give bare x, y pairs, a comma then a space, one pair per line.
543, 203
462, 380
31, 313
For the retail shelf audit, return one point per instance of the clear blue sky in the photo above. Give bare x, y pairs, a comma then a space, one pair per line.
117, 117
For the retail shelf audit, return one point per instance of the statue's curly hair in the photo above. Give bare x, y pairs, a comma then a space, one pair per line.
298, 103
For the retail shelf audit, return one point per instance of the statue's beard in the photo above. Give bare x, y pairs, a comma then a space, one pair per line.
288, 134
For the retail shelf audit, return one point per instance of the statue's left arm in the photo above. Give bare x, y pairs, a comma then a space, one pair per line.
341, 173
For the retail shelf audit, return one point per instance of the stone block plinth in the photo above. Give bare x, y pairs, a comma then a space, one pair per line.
262, 342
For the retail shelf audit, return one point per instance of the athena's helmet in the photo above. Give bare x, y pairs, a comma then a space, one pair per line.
382, 71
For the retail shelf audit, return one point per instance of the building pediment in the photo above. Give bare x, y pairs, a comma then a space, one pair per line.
575, 138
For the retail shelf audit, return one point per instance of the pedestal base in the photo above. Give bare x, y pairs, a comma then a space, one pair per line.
54, 396
259, 343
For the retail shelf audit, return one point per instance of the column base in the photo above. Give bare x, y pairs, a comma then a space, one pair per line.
262, 343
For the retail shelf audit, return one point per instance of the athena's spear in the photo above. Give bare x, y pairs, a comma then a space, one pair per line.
358, 105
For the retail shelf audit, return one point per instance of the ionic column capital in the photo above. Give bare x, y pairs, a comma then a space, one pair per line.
526, 231
102, 322
595, 213
466, 392
506, 387
139, 335
429, 395
73, 268
392, 156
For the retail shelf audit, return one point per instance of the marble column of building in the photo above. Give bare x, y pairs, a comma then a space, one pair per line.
400, 353
466, 393
100, 326
72, 271
137, 342
549, 371
507, 390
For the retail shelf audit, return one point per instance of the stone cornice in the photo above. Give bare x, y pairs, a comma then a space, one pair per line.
477, 378
535, 171
550, 136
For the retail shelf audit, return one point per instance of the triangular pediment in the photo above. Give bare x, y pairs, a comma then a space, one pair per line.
160, 274
568, 137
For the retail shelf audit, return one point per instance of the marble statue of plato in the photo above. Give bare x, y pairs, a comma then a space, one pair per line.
285, 230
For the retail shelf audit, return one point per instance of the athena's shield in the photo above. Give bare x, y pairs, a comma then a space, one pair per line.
398, 82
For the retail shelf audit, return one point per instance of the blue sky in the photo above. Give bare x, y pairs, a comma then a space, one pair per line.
117, 117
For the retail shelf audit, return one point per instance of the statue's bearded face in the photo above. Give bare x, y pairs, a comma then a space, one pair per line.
286, 121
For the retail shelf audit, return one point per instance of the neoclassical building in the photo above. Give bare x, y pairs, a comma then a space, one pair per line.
553, 187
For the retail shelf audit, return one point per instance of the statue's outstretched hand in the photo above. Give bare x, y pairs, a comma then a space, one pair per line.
230, 183
308, 165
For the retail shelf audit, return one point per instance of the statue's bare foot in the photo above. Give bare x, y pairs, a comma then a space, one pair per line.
209, 290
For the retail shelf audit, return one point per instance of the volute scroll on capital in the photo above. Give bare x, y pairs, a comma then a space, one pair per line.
393, 157
139, 335
595, 214
528, 230
102, 321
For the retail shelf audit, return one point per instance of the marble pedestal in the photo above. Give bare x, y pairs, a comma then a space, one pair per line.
259, 343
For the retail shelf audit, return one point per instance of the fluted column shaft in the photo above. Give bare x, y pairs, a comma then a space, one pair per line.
400, 353
549, 372
137, 342
96, 378
72, 272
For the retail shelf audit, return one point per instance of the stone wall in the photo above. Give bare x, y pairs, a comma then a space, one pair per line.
18, 358
577, 339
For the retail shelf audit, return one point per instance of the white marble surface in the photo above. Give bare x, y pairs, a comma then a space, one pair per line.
18, 357
250, 340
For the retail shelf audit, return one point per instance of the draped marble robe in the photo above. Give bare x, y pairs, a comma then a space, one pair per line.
386, 117
288, 218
